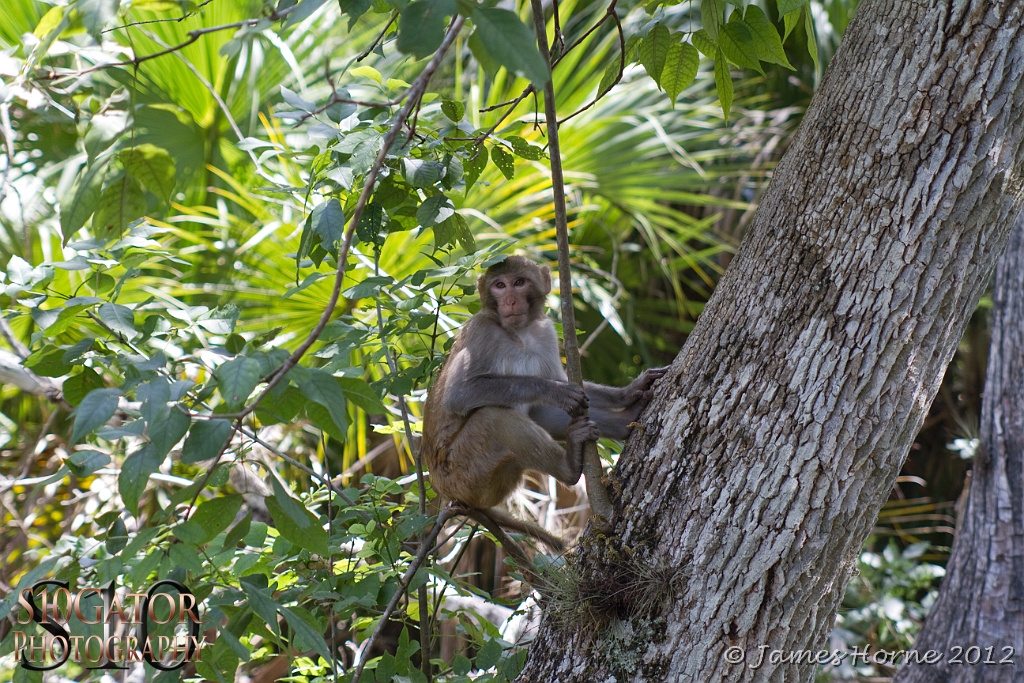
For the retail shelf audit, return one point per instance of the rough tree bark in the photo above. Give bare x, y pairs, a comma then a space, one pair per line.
981, 603
768, 450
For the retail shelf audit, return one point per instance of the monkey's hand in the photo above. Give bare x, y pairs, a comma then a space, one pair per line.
640, 390
571, 398
579, 431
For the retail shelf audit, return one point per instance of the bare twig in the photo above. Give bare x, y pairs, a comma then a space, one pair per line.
600, 503
180, 19
366, 53
622, 65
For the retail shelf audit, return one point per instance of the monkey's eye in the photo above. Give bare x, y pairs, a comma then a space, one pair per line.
499, 285
520, 282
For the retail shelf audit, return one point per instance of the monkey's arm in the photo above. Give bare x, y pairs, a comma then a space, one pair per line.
612, 424
468, 388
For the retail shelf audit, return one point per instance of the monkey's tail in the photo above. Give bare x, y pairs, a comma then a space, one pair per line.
501, 518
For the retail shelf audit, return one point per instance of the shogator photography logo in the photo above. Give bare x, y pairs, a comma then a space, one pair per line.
104, 628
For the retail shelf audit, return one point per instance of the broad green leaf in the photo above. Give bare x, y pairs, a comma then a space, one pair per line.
484, 58
368, 287
238, 531
77, 386
504, 161
359, 392
262, 603
712, 16
117, 537
205, 440
165, 433
48, 361
303, 529
791, 20
723, 83
306, 637
703, 42
420, 172
218, 663
680, 69
236, 380
475, 165
610, 77
767, 43
185, 556
434, 209
84, 463
510, 43
322, 388
96, 14
372, 228
53, 19
153, 167
454, 171
118, 318
367, 72
354, 9
421, 26
135, 473
95, 409
524, 149
737, 44
328, 221
654, 50
453, 109
454, 229
812, 38
787, 6
82, 199
489, 654
211, 518
120, 204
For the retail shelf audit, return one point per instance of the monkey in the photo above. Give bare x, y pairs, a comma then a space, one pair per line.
502, 399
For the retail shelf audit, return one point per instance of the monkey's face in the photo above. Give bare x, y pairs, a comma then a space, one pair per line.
513, 295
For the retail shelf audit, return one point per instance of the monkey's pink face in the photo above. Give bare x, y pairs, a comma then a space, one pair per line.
512, 294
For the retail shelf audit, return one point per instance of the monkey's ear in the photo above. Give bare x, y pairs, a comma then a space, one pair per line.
545, 279
481, 288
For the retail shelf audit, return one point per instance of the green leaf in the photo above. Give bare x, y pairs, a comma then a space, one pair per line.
205, 440
421, 26
610, 77
77, 386
354, 9
236, 380
238, 531
767, 42
791, 20
510, 43
82, 199
504, 161
703, 42
120, 204
654, 50
135, 473
524, 149
484, 58
372, 228
489, 654
96, 14
453, 109
118, 318
117, 537
737, 44
787, 6
301, 528
185, 556
368, 287
812, 38
420, 172
165, 433
723, 83
680, 69
212, 517
306, 636
322, 388
475, 165
153, 167
218, 663
434, 209
84, 463
48, 361
328, 222
712, 16
94, 411
262, 603
359, 392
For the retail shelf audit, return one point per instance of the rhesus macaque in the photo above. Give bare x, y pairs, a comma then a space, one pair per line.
502, 398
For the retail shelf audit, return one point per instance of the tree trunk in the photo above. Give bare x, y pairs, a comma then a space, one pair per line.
762, 463
978, 620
